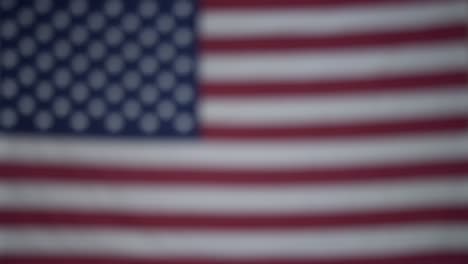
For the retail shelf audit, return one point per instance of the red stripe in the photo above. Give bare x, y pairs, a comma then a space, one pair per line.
255, 45
453, 257
230, 222
436, 169
378, 128
265, 4
416, 82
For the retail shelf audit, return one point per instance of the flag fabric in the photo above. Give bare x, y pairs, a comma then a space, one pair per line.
223, 131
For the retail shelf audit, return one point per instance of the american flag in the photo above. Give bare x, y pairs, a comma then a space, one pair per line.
234, 131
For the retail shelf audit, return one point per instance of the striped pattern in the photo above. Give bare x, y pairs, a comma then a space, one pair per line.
332, 132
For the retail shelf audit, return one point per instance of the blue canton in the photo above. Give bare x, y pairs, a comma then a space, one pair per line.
98, 68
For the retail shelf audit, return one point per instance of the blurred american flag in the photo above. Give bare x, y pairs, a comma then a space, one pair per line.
224, 131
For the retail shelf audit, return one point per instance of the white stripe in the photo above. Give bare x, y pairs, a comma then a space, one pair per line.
235, 199
352, 63
294, 110
146, 243
290, 22
233, 155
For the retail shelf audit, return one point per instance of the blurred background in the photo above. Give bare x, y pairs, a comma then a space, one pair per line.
222, 131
